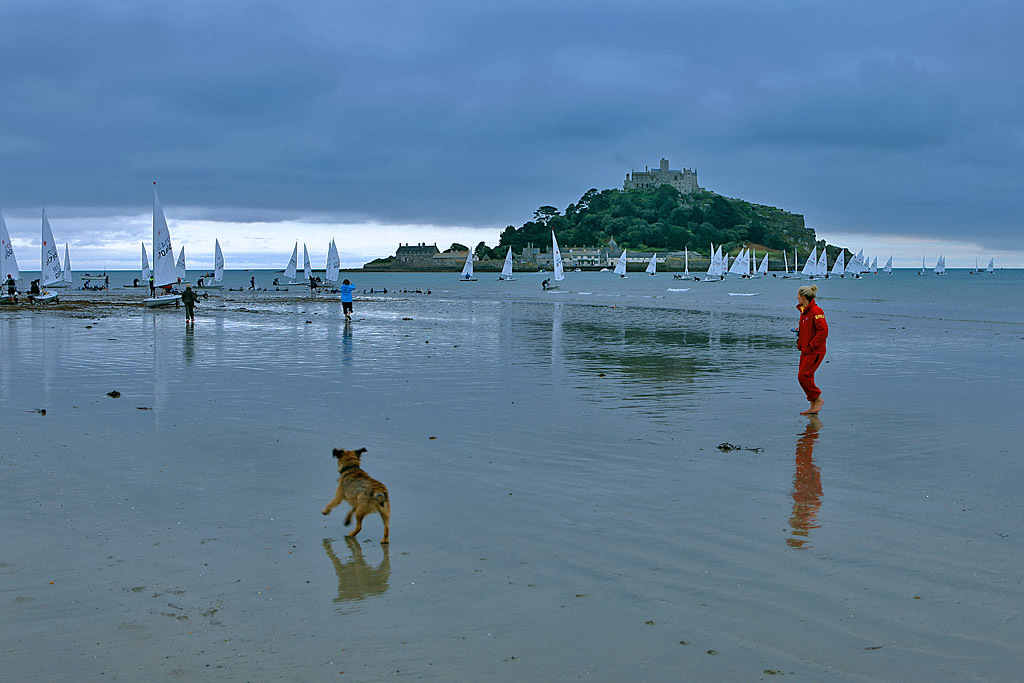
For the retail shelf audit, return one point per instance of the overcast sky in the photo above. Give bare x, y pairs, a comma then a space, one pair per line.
896, 125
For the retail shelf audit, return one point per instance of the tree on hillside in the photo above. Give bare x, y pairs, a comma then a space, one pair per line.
456, 247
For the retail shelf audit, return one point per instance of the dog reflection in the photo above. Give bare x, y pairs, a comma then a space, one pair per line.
356, 578
806, 487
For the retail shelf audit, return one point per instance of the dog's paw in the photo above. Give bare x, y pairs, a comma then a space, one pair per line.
326, 512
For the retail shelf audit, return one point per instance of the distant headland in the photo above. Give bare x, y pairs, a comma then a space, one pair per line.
658, 211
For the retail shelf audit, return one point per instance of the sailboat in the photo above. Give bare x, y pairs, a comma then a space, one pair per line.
715, 269
839, 267
888, 267
467, 269
991, 266
741, 266
940, 265
874, 265
307, 271
164, 274
620, 265
556, 259
291, 269
66, 275
686, 261
923, 267
179, 268
333, 263
652, 265
506, 268
145, 264
811, 264
50, 274
762, 269
7, 260
785, 261
218, 270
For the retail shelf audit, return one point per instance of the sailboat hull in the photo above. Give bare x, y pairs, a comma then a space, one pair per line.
163, 300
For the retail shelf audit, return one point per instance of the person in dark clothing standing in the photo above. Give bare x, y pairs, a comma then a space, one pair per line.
189, 298
152, 287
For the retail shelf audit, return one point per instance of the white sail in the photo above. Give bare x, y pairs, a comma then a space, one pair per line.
66, 275
741, 265
991, 266
467, 269
49, 259
811, 263
923, 267
715, 268
874, 266
179, 267
620, 265
163, 252
556, 255
307, 271
940, 266
785, 259
7, 259
218, 262
821, 267
686, 260
333, 262
289, 271
145, 264
839, 266
652, 265
888, 266
506, 268
763, 268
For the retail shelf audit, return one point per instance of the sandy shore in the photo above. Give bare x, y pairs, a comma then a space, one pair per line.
561, 506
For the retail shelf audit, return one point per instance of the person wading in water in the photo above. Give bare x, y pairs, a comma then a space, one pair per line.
811, 336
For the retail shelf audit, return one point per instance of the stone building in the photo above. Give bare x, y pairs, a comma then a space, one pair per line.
685, 181
418, 255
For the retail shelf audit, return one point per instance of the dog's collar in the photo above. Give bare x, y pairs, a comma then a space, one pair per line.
347, 467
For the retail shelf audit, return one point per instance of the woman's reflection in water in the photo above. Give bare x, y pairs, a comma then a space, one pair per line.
356, 578
806, 487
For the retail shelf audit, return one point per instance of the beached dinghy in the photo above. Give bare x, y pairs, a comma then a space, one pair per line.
163, 258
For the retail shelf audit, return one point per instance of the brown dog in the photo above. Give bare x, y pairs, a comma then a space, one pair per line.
364, 494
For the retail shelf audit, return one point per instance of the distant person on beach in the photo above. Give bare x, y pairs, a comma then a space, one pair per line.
252, 282
312, 284
811, 336
34, 288
189, 298
544, 285
346, 297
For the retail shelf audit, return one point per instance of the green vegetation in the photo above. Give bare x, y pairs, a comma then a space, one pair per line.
660, 219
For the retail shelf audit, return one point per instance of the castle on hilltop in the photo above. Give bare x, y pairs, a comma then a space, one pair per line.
685, 181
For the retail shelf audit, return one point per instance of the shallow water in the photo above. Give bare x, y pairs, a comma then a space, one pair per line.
572, 514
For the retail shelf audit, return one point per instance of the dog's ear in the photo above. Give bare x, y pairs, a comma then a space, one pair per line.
360, 451
338, 453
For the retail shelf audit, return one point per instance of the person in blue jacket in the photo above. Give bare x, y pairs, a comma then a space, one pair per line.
346, 298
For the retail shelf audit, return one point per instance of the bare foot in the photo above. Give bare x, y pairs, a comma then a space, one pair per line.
815, 406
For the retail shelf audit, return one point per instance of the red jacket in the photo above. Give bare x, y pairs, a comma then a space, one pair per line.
813, 330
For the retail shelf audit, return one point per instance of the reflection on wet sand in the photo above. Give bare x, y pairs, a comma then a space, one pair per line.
356, 578
806, 487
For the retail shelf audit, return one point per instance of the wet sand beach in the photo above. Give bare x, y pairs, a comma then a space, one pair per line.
561, 506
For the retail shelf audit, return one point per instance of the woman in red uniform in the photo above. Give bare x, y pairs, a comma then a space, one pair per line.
810, 340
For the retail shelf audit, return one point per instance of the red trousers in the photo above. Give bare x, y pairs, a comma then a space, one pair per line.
809, 362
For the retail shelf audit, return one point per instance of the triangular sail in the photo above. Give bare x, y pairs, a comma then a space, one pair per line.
940, 266
66, 274
179, 267
145, 264
686, 261
811, 263
218, 262
991, 266
763, 268
652, 265
821, 268
739, 265
467, 269
7, 259
48, 257
556, 256
307, 271
839, 266
620, 265
888, 266
785, 260
289, 271
506, 268
163, 252
333, 262
874, 265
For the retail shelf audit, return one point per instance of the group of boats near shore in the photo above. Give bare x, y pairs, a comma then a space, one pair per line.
743, 265
169, 275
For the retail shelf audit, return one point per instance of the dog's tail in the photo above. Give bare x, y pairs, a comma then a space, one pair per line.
381, 497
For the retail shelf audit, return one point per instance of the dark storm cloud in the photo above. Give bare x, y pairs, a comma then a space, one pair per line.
862, 117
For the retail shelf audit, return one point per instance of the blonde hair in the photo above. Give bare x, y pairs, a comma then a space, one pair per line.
808, 292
